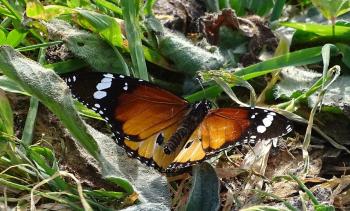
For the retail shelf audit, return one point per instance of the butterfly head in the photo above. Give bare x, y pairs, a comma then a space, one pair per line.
202, 105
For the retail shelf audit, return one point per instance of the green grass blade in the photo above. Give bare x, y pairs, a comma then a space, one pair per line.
28, 129
6, 115
105, 25
305, 189
296, 58
224, 4
67, 66
313, 34
122, 183
110, 6
301, 57
6, 13
320, 29
148, 7
238, 6
41, 161
12, 10
15, 37
277, 10
133, 33
41, 45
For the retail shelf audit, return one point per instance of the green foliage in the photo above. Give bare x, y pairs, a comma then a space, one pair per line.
105, 25
6, 115
337, 94
332, 8
295, 82
242, 7
277, 10
311, 33
9, 85
301, 57
260, 8
89, 47
30, 122
316, 204
39, 82
186, 57
13, 38
131, 14
31, 165
105, 48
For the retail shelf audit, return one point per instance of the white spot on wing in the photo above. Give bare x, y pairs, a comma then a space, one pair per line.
100, 94
108, 75
106, 80
74, 78
274, 142
267, 121
125, 86
101, 86
97, 105
261, 129
121, 76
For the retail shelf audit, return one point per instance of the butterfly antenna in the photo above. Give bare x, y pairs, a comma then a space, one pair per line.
200, 84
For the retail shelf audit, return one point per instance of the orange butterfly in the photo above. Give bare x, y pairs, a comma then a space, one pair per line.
165, 131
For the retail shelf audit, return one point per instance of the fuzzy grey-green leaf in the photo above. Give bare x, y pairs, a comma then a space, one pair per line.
187, 57
50, 89
295, 81
337, 95
204, 194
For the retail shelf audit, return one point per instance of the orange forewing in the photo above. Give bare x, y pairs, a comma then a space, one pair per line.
147, 110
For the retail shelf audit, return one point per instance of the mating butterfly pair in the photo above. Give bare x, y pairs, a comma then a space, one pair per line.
165, 131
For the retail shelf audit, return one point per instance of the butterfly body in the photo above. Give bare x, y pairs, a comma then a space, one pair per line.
165, 131
196, 114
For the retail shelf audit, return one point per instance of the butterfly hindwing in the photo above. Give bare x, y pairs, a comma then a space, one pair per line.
151, 152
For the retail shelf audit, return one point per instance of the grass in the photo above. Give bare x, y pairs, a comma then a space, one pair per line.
125, 37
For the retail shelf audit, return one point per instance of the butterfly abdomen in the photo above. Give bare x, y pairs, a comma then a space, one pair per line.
188, 125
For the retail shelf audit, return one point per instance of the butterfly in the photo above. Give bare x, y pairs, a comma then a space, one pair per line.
165, 131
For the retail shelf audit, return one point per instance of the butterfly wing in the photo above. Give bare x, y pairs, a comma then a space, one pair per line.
228, 127
143, 118
135, 109
142, 115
